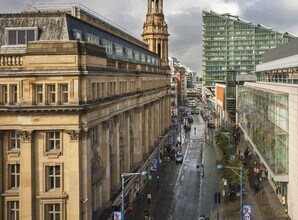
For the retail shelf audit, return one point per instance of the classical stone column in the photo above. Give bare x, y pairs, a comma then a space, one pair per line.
115, 153
104, 145
146, 129
1, 168
151, 126
162, 114
126, 136
138, 148
169, 111
157, 120
77, 189
27, 170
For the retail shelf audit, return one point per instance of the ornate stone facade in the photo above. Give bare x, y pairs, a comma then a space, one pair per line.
73, 116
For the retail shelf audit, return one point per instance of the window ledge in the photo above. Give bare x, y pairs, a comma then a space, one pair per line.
53, 154
11, 192
53, 195
14, 153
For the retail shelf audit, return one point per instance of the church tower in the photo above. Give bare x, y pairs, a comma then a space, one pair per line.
155, 30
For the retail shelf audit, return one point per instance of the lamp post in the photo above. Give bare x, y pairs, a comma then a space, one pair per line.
227, 134
220, 166
123, 188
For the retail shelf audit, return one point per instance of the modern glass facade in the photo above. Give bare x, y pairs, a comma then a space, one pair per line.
264, 117
232, 43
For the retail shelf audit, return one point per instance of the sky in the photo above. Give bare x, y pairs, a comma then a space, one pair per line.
184, 18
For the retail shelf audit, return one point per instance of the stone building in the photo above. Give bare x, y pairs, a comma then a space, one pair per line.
81, 102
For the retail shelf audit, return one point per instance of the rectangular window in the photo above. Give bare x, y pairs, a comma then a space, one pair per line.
53, 141
39, 94
14, 175
13, 210
108, 45
119, 50
64, 94
129, 53
52, 212
92, 39
14, 140
51, 94
4, 94
53, 177
14, 92
21, 37
137, 55
17, 36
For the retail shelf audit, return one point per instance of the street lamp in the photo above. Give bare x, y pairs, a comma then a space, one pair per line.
227, 134
220, 166
143, 173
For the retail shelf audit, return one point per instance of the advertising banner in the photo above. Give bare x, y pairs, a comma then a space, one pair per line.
117, 215
247, 212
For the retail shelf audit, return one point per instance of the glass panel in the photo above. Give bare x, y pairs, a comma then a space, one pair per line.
12, 37
21, 37
30, 35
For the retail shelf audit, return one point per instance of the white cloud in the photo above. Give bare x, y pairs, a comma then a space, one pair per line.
184, 18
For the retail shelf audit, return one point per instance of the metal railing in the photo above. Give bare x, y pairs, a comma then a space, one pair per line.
43, 6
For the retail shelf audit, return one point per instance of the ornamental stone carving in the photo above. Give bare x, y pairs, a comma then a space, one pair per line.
104, 125
74, 135
138, 109
25, 136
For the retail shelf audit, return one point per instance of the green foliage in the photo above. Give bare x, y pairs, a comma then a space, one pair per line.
231, 176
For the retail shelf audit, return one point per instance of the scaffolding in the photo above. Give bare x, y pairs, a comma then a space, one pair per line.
264, 115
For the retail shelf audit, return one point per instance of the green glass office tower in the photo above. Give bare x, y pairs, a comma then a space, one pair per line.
233, 43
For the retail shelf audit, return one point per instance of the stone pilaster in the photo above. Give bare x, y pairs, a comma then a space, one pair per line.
104, 141
157, 120
1, 169
146, 129
126, 136
27, 175
77, 138
115, 153
151, 126
85, 178
138, 148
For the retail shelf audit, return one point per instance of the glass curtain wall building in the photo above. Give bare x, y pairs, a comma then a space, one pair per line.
264, 117
233, 43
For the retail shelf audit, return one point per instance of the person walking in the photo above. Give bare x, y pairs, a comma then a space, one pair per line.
149, 198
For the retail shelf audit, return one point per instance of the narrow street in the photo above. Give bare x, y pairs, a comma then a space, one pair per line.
193, 194
184, 193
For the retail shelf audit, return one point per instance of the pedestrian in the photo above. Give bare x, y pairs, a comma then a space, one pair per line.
195, 130
149, 198
283, 200
256, 187
277, 189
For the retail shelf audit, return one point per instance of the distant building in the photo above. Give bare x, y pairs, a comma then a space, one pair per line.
185, 78
231, 43
268, 115
81, 102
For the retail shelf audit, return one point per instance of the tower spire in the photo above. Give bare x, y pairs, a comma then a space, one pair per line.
155, 30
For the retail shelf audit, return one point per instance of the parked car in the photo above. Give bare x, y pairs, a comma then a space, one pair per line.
211, 125
179, 157
192, 112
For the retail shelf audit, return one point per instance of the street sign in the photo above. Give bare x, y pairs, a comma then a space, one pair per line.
117, 215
